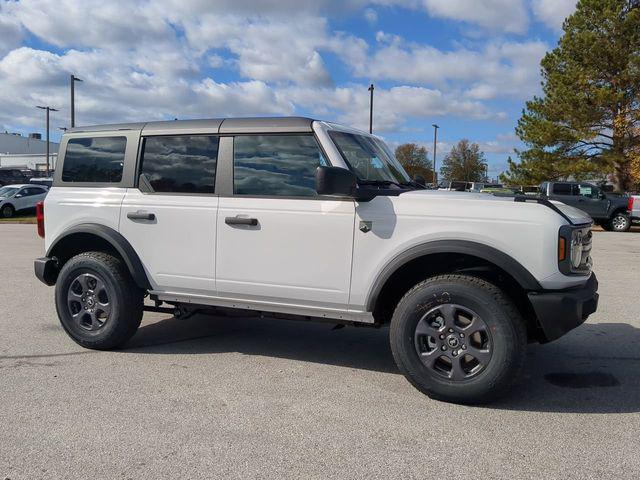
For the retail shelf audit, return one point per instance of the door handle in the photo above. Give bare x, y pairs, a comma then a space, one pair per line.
241, 221
140, 215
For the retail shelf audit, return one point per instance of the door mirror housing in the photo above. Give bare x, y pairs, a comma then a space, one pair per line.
335, 181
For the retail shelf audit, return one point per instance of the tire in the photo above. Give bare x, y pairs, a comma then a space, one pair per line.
433, 315
7, 211
620, 222
98, 304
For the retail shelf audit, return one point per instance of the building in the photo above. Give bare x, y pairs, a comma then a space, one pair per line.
19, 151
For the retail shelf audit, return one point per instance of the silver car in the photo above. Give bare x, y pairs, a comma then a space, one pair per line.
15, 198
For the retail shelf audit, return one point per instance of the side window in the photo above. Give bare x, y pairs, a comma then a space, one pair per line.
276, 165
180, 164
562, 188
97, 159
588, 191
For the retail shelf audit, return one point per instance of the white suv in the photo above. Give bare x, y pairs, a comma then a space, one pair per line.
301, 217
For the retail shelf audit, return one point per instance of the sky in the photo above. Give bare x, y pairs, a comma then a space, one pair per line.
466, 65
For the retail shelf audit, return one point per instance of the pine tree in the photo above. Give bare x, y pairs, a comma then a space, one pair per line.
586, 123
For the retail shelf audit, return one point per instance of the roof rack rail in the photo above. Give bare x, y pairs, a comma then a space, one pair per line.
543, 201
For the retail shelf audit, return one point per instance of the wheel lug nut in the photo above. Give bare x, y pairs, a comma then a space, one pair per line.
451, 330
464, 347
454, 353
462, 335
444, 347
441, 337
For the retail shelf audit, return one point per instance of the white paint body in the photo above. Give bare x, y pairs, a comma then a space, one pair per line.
308, 256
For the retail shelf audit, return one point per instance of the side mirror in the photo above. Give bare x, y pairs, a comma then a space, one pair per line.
602, 195
18, 195
419, 179
335, 181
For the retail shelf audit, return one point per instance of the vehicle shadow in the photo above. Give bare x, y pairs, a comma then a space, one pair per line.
594, 369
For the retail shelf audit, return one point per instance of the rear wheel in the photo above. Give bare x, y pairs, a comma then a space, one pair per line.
620, 222
98, 303
7, 211
458, 338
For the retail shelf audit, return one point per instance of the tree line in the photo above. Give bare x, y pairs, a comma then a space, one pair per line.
465, 161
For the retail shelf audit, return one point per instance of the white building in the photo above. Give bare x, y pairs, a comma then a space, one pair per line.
18, 151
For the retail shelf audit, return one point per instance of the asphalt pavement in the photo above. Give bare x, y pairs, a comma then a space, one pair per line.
237, 397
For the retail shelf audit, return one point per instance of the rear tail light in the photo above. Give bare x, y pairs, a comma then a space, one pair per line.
40, 218
630, 207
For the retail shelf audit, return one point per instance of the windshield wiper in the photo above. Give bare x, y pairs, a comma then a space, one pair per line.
384, 183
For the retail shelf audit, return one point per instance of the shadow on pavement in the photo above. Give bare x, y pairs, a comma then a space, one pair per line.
594, 369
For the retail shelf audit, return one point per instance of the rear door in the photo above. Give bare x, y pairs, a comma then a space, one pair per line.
565, 193
279, 242
170, 216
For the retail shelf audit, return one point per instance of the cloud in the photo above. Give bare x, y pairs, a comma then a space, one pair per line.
371, 16
553, 12
501, 15
498, 69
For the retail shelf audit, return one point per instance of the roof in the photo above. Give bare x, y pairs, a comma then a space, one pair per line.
20, 145
214, 125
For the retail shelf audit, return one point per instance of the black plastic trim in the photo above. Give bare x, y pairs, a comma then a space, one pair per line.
117, 241
524, 278
560, 311
46, 270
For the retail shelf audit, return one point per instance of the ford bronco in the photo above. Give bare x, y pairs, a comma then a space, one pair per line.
304, 218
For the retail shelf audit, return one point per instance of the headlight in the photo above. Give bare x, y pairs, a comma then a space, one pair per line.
574, 250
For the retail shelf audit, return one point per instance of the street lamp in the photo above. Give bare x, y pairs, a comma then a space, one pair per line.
74, 79
371, 109
435, 143
48, 109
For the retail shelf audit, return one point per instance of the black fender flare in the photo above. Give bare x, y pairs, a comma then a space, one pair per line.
117, 241
464, 247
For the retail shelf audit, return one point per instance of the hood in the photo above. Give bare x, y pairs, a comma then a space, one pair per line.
576, 216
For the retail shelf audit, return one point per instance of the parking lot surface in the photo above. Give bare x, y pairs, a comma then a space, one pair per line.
235, 397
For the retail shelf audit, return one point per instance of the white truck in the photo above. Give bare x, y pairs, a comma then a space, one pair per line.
305, 218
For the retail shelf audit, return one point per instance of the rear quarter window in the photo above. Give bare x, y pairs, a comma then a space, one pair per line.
94, 160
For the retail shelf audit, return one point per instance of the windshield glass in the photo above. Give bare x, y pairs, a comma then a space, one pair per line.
369, 158
7, 191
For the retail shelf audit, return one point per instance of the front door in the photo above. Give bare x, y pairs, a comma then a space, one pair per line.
278, 241
170, 218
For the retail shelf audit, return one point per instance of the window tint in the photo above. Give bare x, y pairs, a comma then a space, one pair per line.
99, 159
181, 164
562, 188
276, 165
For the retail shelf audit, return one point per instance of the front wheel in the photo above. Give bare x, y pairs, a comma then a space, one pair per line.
620, 222
458, 338
98, 303
7, 211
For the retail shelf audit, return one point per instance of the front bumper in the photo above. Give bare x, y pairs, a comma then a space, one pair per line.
559, 311
46, 270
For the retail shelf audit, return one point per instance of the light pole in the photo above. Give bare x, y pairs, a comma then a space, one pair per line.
371, 109
48, 109
435, 143
74, 79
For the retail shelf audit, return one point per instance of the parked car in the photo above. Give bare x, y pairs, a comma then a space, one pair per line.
611, 211
45, 181
455, 186
9, 176
477, 187
301, 218
16, 198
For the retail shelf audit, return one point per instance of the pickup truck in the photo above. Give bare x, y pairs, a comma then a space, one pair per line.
634, 208
607, 210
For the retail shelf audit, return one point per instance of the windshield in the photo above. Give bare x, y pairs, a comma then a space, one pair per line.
369, 158
7, 191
